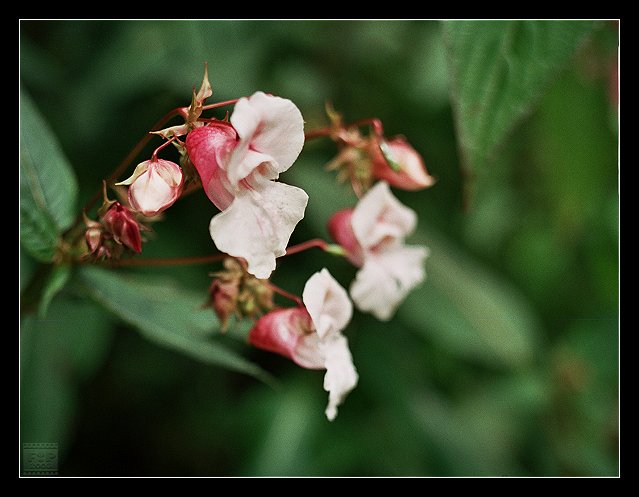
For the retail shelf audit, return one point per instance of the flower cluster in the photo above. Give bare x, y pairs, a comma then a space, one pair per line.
237, 161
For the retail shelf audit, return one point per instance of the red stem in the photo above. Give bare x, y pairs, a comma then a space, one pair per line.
316, 242
286, 294
220, 104
154, 156
375, 123
171, 261
318, 133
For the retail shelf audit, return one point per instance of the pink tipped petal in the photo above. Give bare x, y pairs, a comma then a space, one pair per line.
270, 125
259, 223
327, 303
208, 148
412, 174
379, 217
341, 376
386, 279
341, 230
288, 332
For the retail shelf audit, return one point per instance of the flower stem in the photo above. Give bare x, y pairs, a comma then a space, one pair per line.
220, 104
170, 261
316, 242
285, 294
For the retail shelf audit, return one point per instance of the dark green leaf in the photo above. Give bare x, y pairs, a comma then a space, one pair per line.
57, 354
498, 70
170, 316
48, 188
56, 281
470, 311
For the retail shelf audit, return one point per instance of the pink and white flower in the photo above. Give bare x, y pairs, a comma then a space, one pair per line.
154, 186
312, 337
373, 233
238, 163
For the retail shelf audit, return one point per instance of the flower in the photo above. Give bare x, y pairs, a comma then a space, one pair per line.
154, 186
398, 163
312, 337
238, 163
373, 233
121, 223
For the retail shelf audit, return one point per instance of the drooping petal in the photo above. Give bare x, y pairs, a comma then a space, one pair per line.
259, 223
341, 376
327, 303
289, 332
386, 278
271, 125
379, 216
209, 148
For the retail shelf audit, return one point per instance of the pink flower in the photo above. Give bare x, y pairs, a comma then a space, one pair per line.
121, 223
398, 163
373, 233
312, 336
154, 186
238, 163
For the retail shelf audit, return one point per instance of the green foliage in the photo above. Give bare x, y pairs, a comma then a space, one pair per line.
48, 189
505, 360
166, 314
499, 70
59, 353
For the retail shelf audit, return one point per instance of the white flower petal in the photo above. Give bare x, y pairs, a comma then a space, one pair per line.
341, 376
327, 303
385, 280
270, 125
259, 223
379, 216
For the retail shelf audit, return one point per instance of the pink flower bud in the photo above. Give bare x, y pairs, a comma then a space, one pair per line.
341, 230
223, 298
155, 186
398, 163
289, 332
121, 223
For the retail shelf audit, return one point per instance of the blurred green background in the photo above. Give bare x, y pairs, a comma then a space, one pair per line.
504, 362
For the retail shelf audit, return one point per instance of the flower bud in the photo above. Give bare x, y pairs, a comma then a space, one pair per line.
341, 230
154, 186
223, 299
93, 234
289, 332
398, 163
121, 223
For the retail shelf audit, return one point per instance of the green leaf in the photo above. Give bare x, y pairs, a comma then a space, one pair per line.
468, 310
48, 188
56, 281
57, 354
498, 70
169, 316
